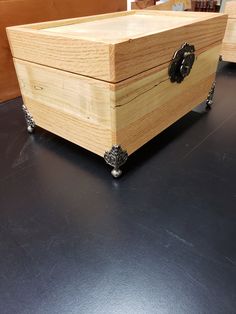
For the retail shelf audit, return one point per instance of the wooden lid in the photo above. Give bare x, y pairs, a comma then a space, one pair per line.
117, 46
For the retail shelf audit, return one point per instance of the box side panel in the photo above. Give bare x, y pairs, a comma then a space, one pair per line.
147, 106
138, 55
229, 43
61, 52
73, 107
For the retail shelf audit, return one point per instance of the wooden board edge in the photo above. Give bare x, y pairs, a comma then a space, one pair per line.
64, 22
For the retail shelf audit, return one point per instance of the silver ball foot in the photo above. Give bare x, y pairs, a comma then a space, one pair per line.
116, 173
30, 129
208, 105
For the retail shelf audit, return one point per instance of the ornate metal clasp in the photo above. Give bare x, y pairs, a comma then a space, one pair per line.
181, 63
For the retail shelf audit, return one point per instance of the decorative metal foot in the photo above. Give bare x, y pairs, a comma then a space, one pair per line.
116, 157
210, 96
29, 120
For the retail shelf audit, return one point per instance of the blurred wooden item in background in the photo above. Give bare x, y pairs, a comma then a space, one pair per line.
16, 12
170, 5
229, 42
142, 4
204, 5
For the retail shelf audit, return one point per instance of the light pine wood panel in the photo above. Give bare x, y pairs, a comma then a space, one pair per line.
94, 137
61, 52
72, 106
123, 27
155, 98
116, 59
85, 98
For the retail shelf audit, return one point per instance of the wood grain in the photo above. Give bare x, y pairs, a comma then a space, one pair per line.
88, 135
123, 27
141, 131
72, 106
83, 97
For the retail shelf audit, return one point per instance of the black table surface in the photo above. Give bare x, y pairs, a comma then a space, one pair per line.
161, 239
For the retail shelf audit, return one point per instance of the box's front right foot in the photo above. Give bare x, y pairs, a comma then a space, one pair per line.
116, 157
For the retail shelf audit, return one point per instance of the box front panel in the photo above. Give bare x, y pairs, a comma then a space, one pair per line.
73, 107
150, 104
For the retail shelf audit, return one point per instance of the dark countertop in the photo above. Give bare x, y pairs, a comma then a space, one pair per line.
161, 239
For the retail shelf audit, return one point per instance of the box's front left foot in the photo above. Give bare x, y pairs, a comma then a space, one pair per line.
210, 96
29, 120
116, 157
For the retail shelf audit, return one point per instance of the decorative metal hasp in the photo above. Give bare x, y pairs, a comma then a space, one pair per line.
116, 157
182, 63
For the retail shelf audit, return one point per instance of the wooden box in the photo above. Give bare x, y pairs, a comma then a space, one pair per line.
17, 12
111, 83
228, 52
